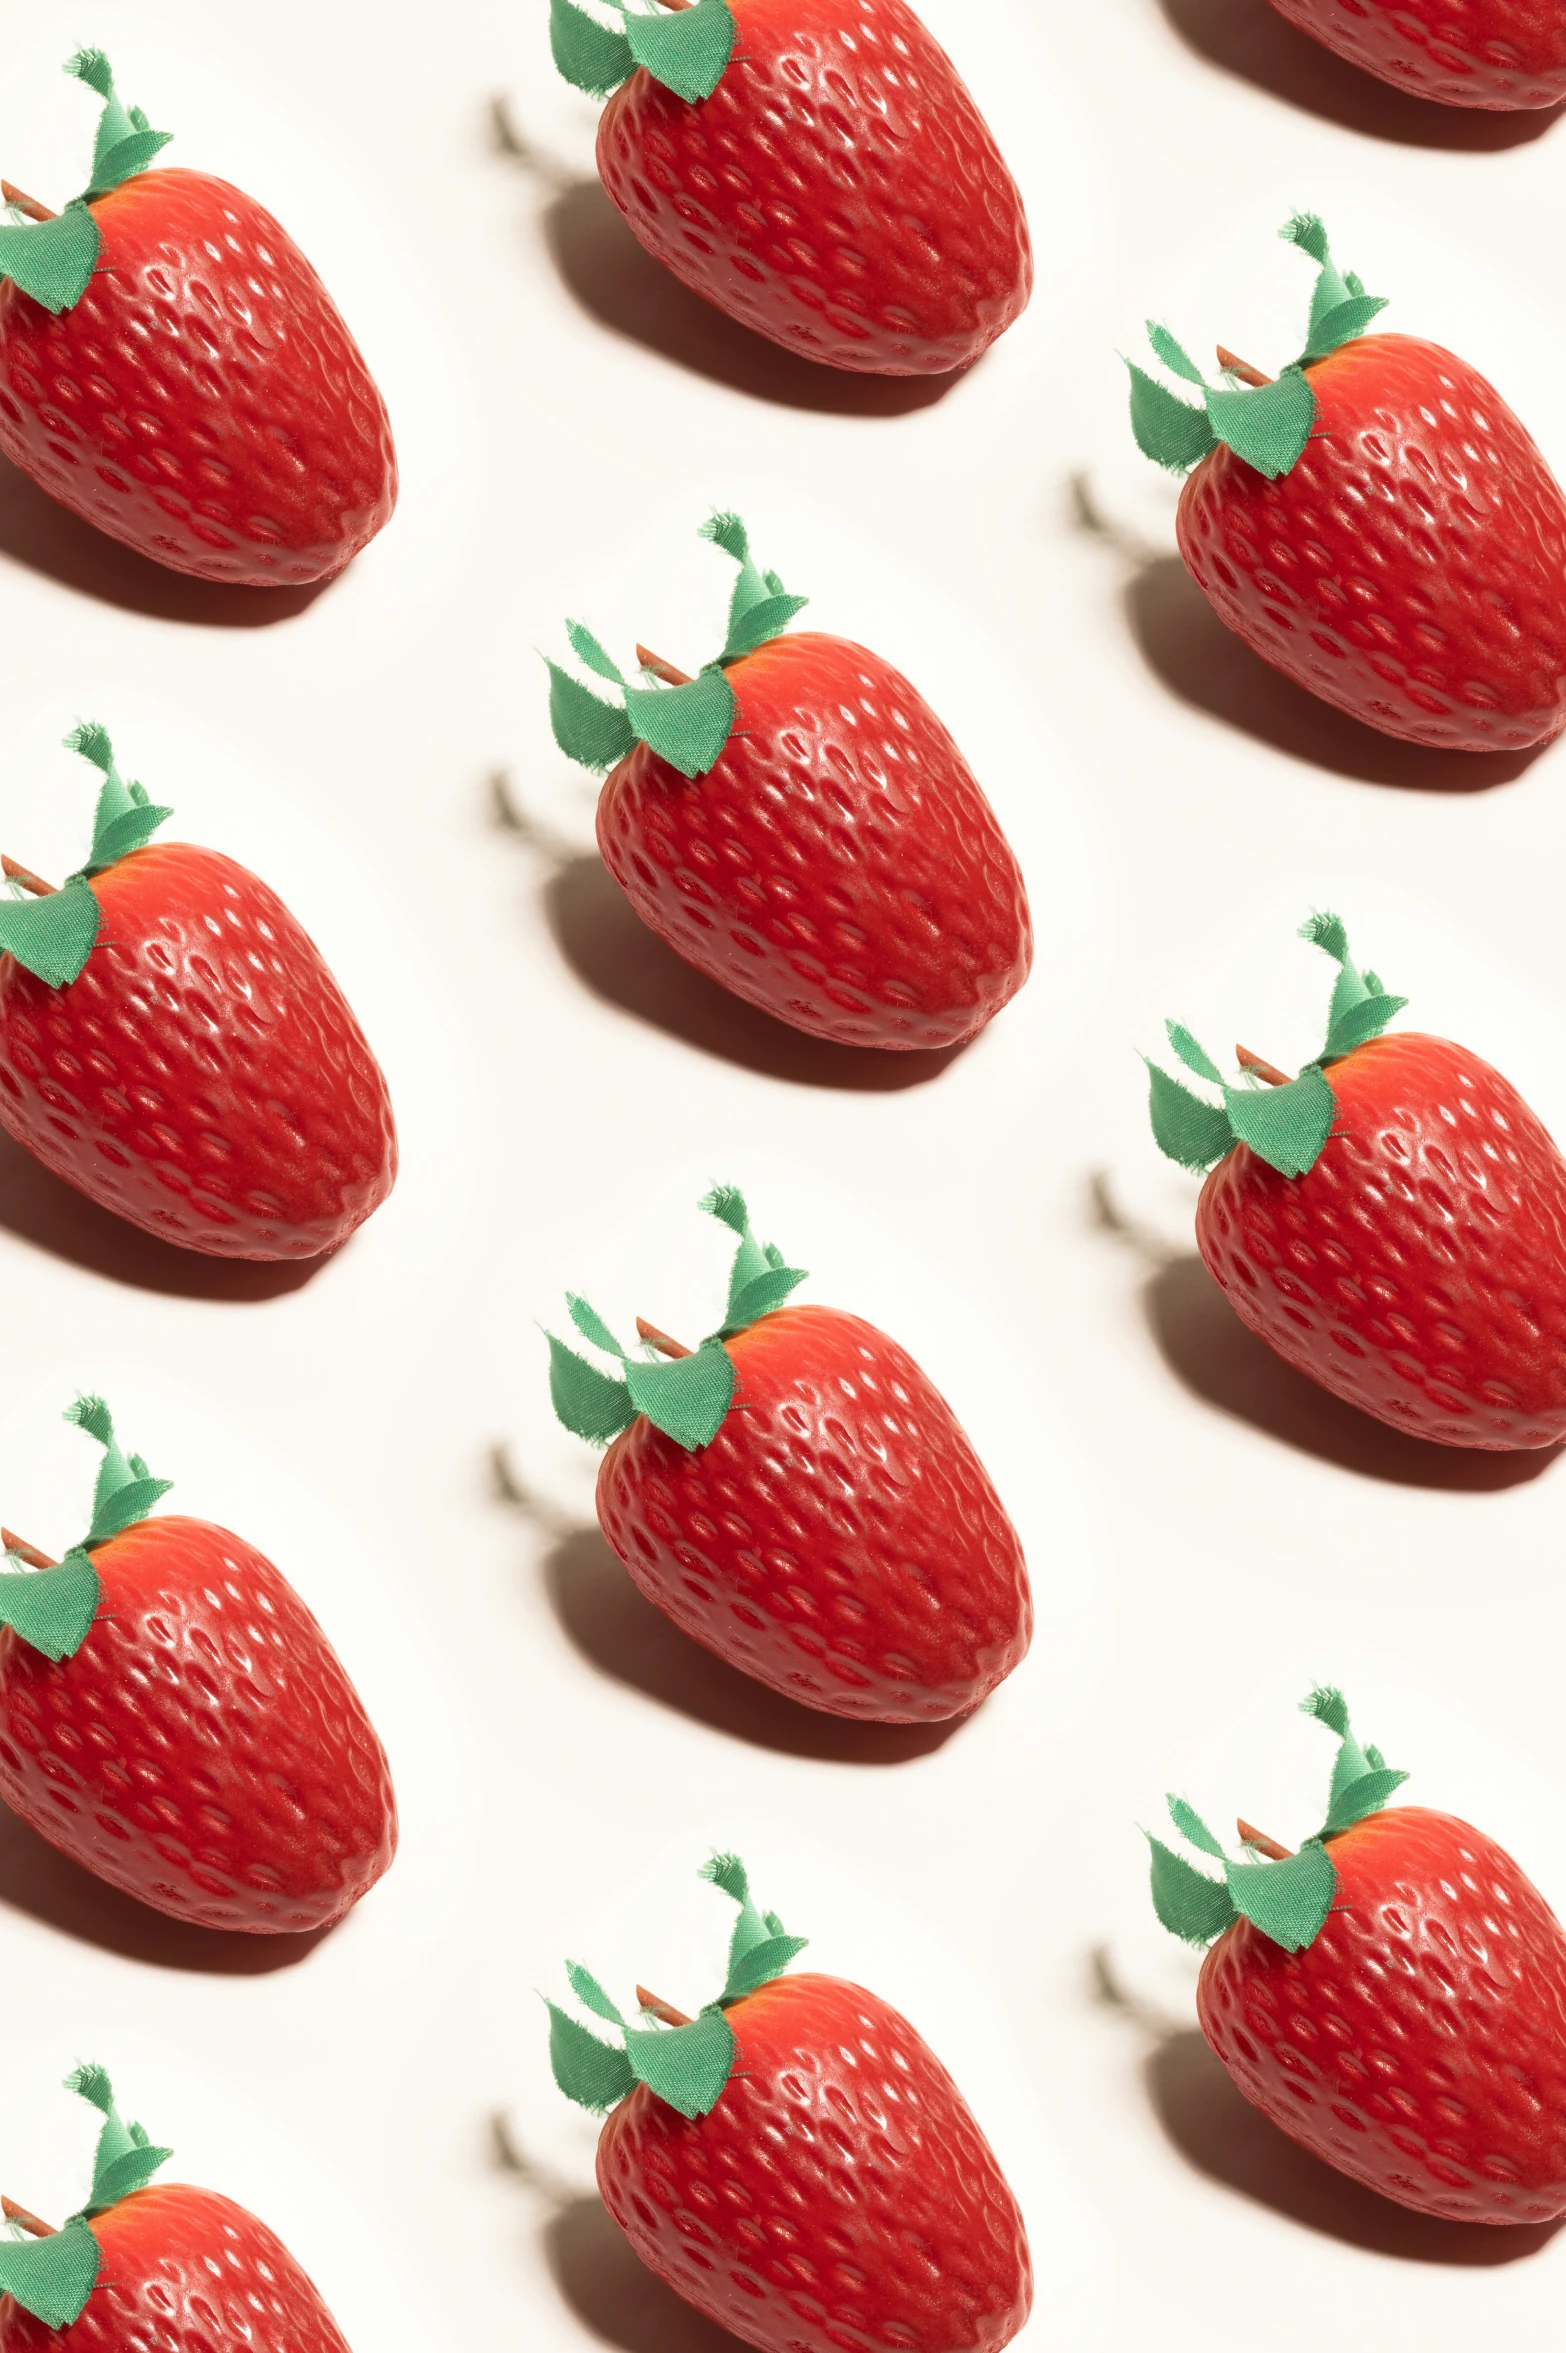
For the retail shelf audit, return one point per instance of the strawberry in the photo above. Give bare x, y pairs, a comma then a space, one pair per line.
184, 2270
797, 823
1502, 55
1393, 1996
1392, 1221
813, 167
173, 1718
798, 1497
1375, 523
172, 1045
173, 371
795, 2162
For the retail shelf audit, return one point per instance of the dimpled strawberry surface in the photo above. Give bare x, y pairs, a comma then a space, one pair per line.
1419, 1268
840, 2194
1419, 2043
203, 1077
839, 191
1486, 53
1411, 567
203, 1750
839, 866
185, 2271
838, 1539
203, 401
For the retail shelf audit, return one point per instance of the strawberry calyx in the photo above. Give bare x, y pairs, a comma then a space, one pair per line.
54, 935
689, 724
1286, 1125
686, 2065
1288, 1897
1267, 423
685, 47
52, 2276
52, 1607
689, 1398
53, 260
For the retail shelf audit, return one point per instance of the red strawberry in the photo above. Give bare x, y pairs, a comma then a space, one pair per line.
1392, 1221
173, 1718
1498, 54
813, 167
1376, 524
1393, 1996
172, 1045
797, 823
795, 2162
797, 1497
173, 370
184, 2270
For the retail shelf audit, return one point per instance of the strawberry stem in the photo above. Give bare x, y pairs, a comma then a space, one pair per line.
28, 2222
28, 204
659, 1340
26, 877
1267, 1071
27, 1552
655, 662
1241, 368
660, 2009
1263, 1845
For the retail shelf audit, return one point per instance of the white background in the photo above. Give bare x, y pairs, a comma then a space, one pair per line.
1206, 1532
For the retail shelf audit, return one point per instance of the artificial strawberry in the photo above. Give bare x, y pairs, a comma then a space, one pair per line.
813, 167
797, 823
173, 370
173, 1718
795, 2161
180, 2269
1393, 1996
172, 1045
796, 1496
1392, 1221
1375, 523
1502, 55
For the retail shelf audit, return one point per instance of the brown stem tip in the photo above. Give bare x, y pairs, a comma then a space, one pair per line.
24, 203
661, 669
28, 2222
1241, 368
1262, 1843
27, 878
1266, 1071
27, 1552
660, 2009
659, 1340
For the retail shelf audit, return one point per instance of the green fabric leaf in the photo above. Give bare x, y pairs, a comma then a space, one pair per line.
1267, 425
760, 1948
51, 2278
1365, 1796
53, 261
685, 2066
686, 725
1194, 1057
124, 2158
587, 649
52, 938
1188, 1903
124, 144
1287, 1901
1285, 1126
1167, 429
590, 56
591, 1994
759, 606
52, 1610
1190, 1825
728, 1205
1174, 355
592, 2073
759, 1298
1342, 324
763, 621
124, 817
1362, 1022
127, 833
124, 1508
1335, 292
761, 1964
1186, 1130
588, 1402
594, 733
591, 1325
124, 1492
131, 2172
688, 1399
1361, 1782
688, 52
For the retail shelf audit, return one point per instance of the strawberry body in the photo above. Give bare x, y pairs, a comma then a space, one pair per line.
838, 1539
839, 191
188, 2272
203, 401
203, 1076
1411, 567
203, 1750
838, 866
1498, 54
1419, 1268
840, 2195
1419, 2044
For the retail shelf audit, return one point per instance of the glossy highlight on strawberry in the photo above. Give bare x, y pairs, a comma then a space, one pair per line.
1501, 55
